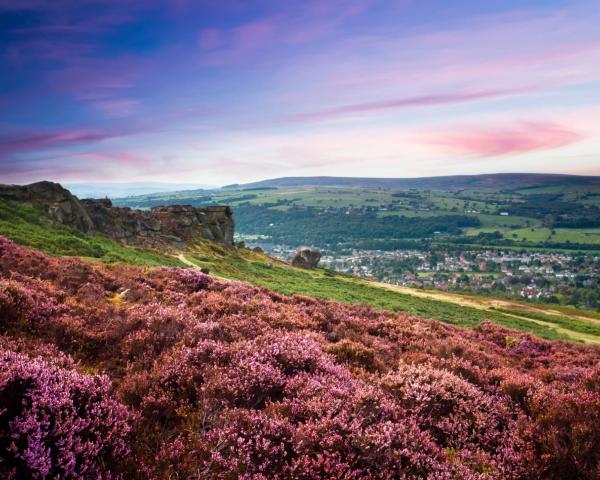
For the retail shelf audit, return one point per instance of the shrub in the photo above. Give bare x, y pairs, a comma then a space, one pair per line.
57, 423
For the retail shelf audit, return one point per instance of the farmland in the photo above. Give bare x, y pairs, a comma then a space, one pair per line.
359, 223
543, 217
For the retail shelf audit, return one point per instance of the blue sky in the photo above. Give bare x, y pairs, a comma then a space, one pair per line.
218, 92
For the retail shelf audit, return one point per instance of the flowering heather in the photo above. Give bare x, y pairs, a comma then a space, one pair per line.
58, 423
111, 371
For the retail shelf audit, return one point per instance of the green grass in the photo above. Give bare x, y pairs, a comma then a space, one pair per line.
572, 311
543, 234
25, 225
588, 327
509, 221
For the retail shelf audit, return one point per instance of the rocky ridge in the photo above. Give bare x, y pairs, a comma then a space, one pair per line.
157, 227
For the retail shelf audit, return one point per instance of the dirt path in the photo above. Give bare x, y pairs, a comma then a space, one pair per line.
181, 257
491, 303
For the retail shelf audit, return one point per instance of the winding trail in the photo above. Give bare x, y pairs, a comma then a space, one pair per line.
182, 258
491, 304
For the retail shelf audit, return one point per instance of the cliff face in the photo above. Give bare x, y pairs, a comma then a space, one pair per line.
171, 225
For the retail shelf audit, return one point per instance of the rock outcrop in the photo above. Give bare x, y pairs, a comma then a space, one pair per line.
159, 226
59, 205
306, 258
173, 224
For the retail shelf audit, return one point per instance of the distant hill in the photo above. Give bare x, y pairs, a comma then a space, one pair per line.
486, 181
126, 189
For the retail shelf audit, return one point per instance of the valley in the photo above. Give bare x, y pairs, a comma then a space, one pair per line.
537, 236
299, 240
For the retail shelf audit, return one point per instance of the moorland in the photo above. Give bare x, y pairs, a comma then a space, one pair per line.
214, 360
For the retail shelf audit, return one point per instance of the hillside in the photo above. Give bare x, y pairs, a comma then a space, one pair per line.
496, 181
159, 228
114, 370
27, 226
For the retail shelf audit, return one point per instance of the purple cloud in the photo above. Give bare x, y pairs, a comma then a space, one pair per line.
409, 102
118, 107
16, 143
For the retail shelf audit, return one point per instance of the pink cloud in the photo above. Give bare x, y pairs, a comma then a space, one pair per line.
408, 102
19, 142
78, 165
253, 35
228, 47
121, 159
495, 141
294, 25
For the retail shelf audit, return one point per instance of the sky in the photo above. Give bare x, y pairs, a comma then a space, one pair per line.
233, 91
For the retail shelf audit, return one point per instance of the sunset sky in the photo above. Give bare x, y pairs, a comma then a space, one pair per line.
225, 91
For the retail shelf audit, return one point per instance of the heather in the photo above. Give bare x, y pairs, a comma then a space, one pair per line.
58, 423
115, 371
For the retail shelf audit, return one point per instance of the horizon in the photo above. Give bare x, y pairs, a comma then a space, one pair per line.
197, 186
196, 93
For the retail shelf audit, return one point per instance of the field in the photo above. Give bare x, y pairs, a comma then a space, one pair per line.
542, 234
547, 217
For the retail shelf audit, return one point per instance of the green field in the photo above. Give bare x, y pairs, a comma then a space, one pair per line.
544, 234
548, 217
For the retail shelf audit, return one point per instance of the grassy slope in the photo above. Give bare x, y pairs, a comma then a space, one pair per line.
25, 226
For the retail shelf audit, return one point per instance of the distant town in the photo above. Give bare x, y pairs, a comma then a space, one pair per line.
538, 276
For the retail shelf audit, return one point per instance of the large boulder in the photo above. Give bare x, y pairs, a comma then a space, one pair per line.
306, 258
